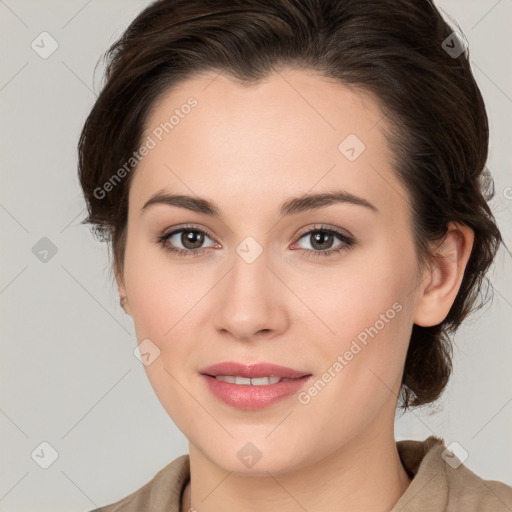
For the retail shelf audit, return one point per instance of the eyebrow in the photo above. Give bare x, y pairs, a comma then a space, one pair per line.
294, 205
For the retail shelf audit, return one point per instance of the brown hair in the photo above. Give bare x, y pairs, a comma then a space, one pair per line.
396, 50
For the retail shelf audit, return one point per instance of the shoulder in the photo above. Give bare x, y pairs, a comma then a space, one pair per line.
441, 482
160, 494
469, 492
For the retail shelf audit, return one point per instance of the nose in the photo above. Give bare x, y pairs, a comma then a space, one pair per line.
252, 301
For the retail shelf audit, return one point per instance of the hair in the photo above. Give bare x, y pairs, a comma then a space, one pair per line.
393, 50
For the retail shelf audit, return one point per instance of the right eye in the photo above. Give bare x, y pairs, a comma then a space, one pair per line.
190, 238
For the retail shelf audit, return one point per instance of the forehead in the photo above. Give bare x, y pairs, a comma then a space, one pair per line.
292, 132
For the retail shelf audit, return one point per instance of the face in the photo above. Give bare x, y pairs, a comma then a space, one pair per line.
329, 291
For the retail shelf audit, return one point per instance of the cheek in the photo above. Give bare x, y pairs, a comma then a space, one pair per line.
155, 289
351, 296
359, 369
369, 329
366, 308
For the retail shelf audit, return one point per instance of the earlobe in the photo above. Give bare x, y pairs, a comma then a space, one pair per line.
123, 301
439, 288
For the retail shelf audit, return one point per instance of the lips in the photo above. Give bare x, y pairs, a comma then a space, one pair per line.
248, 392
253, 371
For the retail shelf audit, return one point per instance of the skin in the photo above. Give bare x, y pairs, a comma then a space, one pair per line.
249, 149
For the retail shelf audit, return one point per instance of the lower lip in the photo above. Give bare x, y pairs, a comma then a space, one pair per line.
251, 397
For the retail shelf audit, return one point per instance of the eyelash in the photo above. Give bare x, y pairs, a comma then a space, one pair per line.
347, 242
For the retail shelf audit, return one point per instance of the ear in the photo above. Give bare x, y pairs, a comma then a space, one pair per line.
441, 284
122, 290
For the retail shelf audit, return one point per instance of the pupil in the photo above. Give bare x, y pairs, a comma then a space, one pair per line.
189, 236
321, 237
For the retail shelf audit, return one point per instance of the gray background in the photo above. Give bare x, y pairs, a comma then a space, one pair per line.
69, 376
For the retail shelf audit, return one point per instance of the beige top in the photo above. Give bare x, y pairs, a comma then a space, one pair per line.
436, 485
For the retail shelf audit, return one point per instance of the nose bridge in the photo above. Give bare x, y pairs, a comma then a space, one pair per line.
250, 300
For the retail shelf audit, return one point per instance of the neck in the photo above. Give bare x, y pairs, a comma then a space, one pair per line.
364, 475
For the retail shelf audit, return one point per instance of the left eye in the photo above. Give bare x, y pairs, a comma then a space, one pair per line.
322, 239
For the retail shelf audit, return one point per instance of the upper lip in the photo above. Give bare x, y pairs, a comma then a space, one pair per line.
252, 371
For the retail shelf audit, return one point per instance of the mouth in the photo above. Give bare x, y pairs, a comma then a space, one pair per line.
256, 386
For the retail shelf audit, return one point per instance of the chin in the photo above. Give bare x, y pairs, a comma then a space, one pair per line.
255, 458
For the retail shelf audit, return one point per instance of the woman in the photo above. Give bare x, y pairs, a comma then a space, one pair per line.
292, 190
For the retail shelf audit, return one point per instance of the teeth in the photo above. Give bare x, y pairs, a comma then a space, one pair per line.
244, 381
